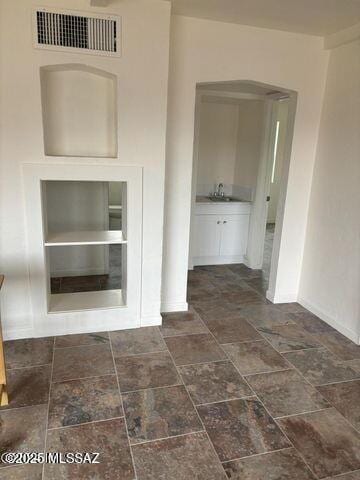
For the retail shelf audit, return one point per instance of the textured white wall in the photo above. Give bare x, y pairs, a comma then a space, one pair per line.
217, 145
229, 145
204, 51
330, 281
142, 73
251, 118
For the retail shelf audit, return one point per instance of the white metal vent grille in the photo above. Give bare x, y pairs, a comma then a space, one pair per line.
75, 31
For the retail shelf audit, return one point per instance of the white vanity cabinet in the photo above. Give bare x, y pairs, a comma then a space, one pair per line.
220, 233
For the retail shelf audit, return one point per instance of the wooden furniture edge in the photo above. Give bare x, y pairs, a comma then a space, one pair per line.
3, 389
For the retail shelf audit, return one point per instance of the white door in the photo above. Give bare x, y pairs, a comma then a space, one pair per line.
234, 233
207, 233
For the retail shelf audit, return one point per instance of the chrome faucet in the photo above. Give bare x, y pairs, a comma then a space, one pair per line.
220, 190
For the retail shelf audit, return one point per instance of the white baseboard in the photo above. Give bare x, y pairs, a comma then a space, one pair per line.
197, 261
281, 297
350, 334
28, 332
168, 307
151, 321
17, 333
248, 264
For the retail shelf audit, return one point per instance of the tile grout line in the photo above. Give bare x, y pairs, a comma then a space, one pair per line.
246, 341
331, 407
251, 389
291, 443
197, 413
8, 408
341, 475
146, 442
356, 379
197, 317
140, 354
292, 367
314, 387
300, 349
259, 454
245, 397
357, 429
274, 419
82, 344
83, 378
63, 427
287, 438
48, 409
123, 409
268, 372
98, 344
151, 388
202, 363
28, 366
281, 417
320, 346
183, 335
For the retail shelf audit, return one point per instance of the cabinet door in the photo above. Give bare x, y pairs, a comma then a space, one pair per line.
234, 234
207, 232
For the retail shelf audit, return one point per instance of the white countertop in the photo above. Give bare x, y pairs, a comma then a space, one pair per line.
203, 199
205, 206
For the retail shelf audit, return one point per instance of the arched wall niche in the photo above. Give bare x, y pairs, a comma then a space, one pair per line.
79, 108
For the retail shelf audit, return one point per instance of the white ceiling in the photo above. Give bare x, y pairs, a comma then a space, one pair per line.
314, 17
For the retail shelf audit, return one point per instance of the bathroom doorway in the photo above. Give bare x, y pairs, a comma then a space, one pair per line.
242, 145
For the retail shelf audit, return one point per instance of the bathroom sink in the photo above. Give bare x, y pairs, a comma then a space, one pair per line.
217, 198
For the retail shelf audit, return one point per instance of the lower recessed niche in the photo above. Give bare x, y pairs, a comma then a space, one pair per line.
93, 268
97, 281
85, 244
79, 111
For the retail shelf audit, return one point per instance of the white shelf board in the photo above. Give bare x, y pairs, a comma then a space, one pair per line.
84, 238
75, 302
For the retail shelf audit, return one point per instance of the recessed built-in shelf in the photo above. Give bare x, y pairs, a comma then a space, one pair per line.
79, 111
99, 237
74, 302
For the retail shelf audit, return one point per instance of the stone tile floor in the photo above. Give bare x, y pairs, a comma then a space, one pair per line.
236, 388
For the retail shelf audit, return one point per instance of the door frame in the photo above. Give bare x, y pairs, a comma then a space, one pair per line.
257, 229
258, 220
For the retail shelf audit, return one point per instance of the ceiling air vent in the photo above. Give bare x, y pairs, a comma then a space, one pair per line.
77, 32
